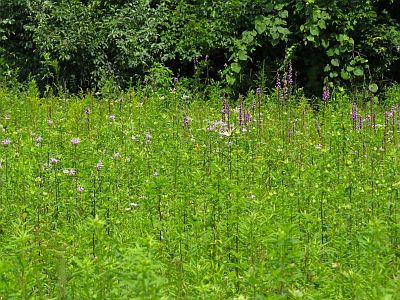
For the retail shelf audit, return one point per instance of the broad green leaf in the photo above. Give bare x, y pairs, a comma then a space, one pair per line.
373, 88
283, 30
242, 55
344, 75
236, 67
230, 79
321, 24
260, 24
333, 74
358, 71
335, 62
314, 30
284, 14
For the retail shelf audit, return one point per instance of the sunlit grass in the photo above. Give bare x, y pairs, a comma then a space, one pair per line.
175, 197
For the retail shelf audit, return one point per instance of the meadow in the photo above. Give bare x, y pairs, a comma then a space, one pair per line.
171, 196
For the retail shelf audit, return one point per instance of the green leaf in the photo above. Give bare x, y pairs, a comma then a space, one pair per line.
344, 75
283, 30
260, 24
321, 24
242, 55
358, 71
335, 62
284, 14
333, 74
230, 79
373, 88
314, 30
236, 67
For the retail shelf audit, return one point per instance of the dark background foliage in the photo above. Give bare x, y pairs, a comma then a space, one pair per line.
79, 44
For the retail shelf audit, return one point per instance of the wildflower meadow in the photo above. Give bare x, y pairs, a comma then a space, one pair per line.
171, 196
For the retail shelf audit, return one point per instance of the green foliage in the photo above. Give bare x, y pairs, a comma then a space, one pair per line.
69, 43
150, 195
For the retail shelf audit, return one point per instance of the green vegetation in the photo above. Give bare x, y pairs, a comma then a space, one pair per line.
168, 149
76, 44
166, 195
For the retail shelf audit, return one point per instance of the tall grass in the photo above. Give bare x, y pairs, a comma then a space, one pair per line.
161, 199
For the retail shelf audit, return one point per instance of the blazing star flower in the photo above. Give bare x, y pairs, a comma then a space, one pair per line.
290, 74
6, 142
69, 172
186, 122
99, 165
88, 111
325, 94
354, 112
38, 139
278, 84
175, 80
80, 189
50, 122
258, 92
53, 161
116, 155
148, 138
75, 141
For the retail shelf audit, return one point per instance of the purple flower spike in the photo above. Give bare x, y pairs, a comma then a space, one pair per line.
258, 92
80, 189
325, 94
290, 74
88, 111
278, 84
354, 112
6, 142
99, 165
75, 141
53, 161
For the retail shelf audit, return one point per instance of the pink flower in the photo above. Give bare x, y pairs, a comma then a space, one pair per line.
6, 142
75, 141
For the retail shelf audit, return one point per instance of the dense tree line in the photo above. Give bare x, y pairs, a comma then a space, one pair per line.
80, 43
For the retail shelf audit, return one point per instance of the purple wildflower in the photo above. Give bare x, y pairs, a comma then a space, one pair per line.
258, 92
290, 74
186, 122
148, 138
116, 155
88, 111
80, 189
6, 142
112, 117
360, 123
325, 94
278, 84
53, 161
99, 165
75, 141
354, 112
69, 172
50, 122
206, 59
175, 80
